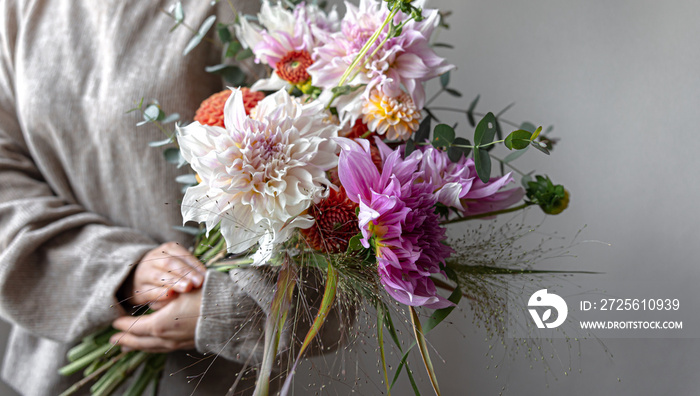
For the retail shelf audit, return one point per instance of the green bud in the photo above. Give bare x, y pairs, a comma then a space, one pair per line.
553, 199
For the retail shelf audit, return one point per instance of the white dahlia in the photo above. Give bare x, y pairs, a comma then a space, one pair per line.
261, 172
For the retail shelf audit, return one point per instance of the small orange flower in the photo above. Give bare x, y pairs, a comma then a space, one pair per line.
293, 66
335, 223
211, 111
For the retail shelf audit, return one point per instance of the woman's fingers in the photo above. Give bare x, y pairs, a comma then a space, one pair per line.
170, 328
191, 267
130, 341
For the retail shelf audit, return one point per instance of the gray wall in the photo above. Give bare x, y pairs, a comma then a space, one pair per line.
620, 80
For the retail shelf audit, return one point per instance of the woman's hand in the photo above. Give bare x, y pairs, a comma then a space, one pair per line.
161, 274
168, 329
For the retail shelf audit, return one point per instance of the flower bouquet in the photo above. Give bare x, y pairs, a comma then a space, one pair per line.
336, 165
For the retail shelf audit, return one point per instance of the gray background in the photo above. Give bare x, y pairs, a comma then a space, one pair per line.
620, 82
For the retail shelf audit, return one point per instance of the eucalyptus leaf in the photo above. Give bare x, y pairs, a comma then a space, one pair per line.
187, 179
172, 155
453, 92
443, 135
171, 118
515, 155
160, 143
472, 105
455, 152
482, 163
528, 126
410, 147
197, 38
216, 68
536, 134
194, 42
234, 76
189, 230
153, 113
485, 130
540, 146
423, 132
179, 12
245, 54
518, 140
224, 32
233, 48
445, 79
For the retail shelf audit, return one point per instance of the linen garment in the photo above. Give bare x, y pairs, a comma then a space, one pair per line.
82, 195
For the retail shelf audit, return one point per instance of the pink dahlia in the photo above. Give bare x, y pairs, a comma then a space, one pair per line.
285, 40
397, 219
488, 197
404, 61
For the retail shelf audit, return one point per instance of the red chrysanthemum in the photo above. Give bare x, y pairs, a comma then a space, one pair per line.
211, 111
293, 66
335, 223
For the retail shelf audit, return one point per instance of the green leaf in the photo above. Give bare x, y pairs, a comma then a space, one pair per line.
197, 38
445, 79
153, 113
224, 32
541, 146
186, 179
160, 143
354, 243
528, 126
423, 132
453, 92
216, 68
171, 118
232, 49
172, 155
536, 134
410, 147
515, 155
327, 303
443, 135
423, 348
443, 45
455, 153
470, 111
485, 130
441, 314
179, 13
482, 163
518, 140
232, 74
245, 54
189, 230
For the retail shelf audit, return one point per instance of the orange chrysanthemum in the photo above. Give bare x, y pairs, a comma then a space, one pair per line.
293, 66
211, 111
335, 223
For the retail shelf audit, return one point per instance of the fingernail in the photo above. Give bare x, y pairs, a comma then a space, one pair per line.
180, 286
197, 279
114, 340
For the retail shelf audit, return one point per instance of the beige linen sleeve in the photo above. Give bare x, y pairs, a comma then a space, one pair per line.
59, 264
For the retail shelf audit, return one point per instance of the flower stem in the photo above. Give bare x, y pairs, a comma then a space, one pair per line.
488, 214
367, 45
75, 387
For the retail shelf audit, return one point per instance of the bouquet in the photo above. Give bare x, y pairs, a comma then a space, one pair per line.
336, 164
